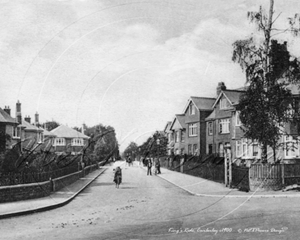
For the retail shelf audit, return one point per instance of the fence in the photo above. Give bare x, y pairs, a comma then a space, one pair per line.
240, 178
196, 167
33, 177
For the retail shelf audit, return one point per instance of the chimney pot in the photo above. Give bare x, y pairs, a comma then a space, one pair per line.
7, 110
221, 86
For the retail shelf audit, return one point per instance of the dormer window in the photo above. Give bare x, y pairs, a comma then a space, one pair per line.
224, 104
40, 137
16, 132
192, 109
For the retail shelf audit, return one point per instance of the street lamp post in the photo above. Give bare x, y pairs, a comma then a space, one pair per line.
157, 163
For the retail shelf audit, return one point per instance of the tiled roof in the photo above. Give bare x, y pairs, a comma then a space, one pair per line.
47, 133
233, 95
203, 103
30, 127
168, 126
181, 120
5, 117
66, 132
211, 116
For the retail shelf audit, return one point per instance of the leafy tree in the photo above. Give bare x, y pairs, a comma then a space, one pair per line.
50, 125
131, 150
270, 69
152, 148
103, 143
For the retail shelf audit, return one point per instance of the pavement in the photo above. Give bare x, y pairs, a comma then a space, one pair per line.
194, 185
205, 188
55, 200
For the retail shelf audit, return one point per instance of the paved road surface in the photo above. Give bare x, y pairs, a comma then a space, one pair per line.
148, 207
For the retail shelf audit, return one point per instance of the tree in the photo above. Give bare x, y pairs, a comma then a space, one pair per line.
152, 148
131, 150
267, 103
50, 125
102, 144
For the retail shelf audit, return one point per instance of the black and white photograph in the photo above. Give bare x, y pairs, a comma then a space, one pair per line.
149, 119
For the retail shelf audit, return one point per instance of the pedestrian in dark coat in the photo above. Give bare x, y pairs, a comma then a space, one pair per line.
118, 176
149, 166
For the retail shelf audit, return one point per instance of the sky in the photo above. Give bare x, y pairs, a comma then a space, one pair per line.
130, 64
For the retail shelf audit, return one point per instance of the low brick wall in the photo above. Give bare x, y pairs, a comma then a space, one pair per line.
61, 182
42, 189
24, 191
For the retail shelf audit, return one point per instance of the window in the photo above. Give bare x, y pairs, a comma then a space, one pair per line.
177, 134
77, 142
40, 137
210, 128
250, 149
224, 104
192, 109
210, 149
170, 137
189, 149
182, 136
221, 150
193, 130
224, 125
195, 149
16, 132
60, 142
182, 151
237, 118
238, 148
291, 148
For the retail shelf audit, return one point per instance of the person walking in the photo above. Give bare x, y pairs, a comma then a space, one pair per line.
158, 166
149, 166
118, 176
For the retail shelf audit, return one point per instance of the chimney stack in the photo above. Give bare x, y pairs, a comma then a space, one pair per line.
27, 119
18, 112
36, 119
82, 129
7, 110
221, 86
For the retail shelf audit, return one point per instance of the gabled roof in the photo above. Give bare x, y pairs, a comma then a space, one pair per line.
47, 133
30, 127
201, 103
232, 96
66, 132
168, 127
5, 117
211, 116
180, 119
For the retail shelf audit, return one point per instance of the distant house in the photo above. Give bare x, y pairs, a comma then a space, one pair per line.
32, 136
195, 112
169, 135
10, 133
178, 128
68, 140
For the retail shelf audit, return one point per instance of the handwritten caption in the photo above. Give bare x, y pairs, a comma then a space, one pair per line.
227, 230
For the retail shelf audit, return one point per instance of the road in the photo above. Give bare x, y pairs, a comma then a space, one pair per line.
148, 207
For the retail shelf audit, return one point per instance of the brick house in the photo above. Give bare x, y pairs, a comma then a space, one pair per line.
195, 112
224, 130
68, 140
223, 124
